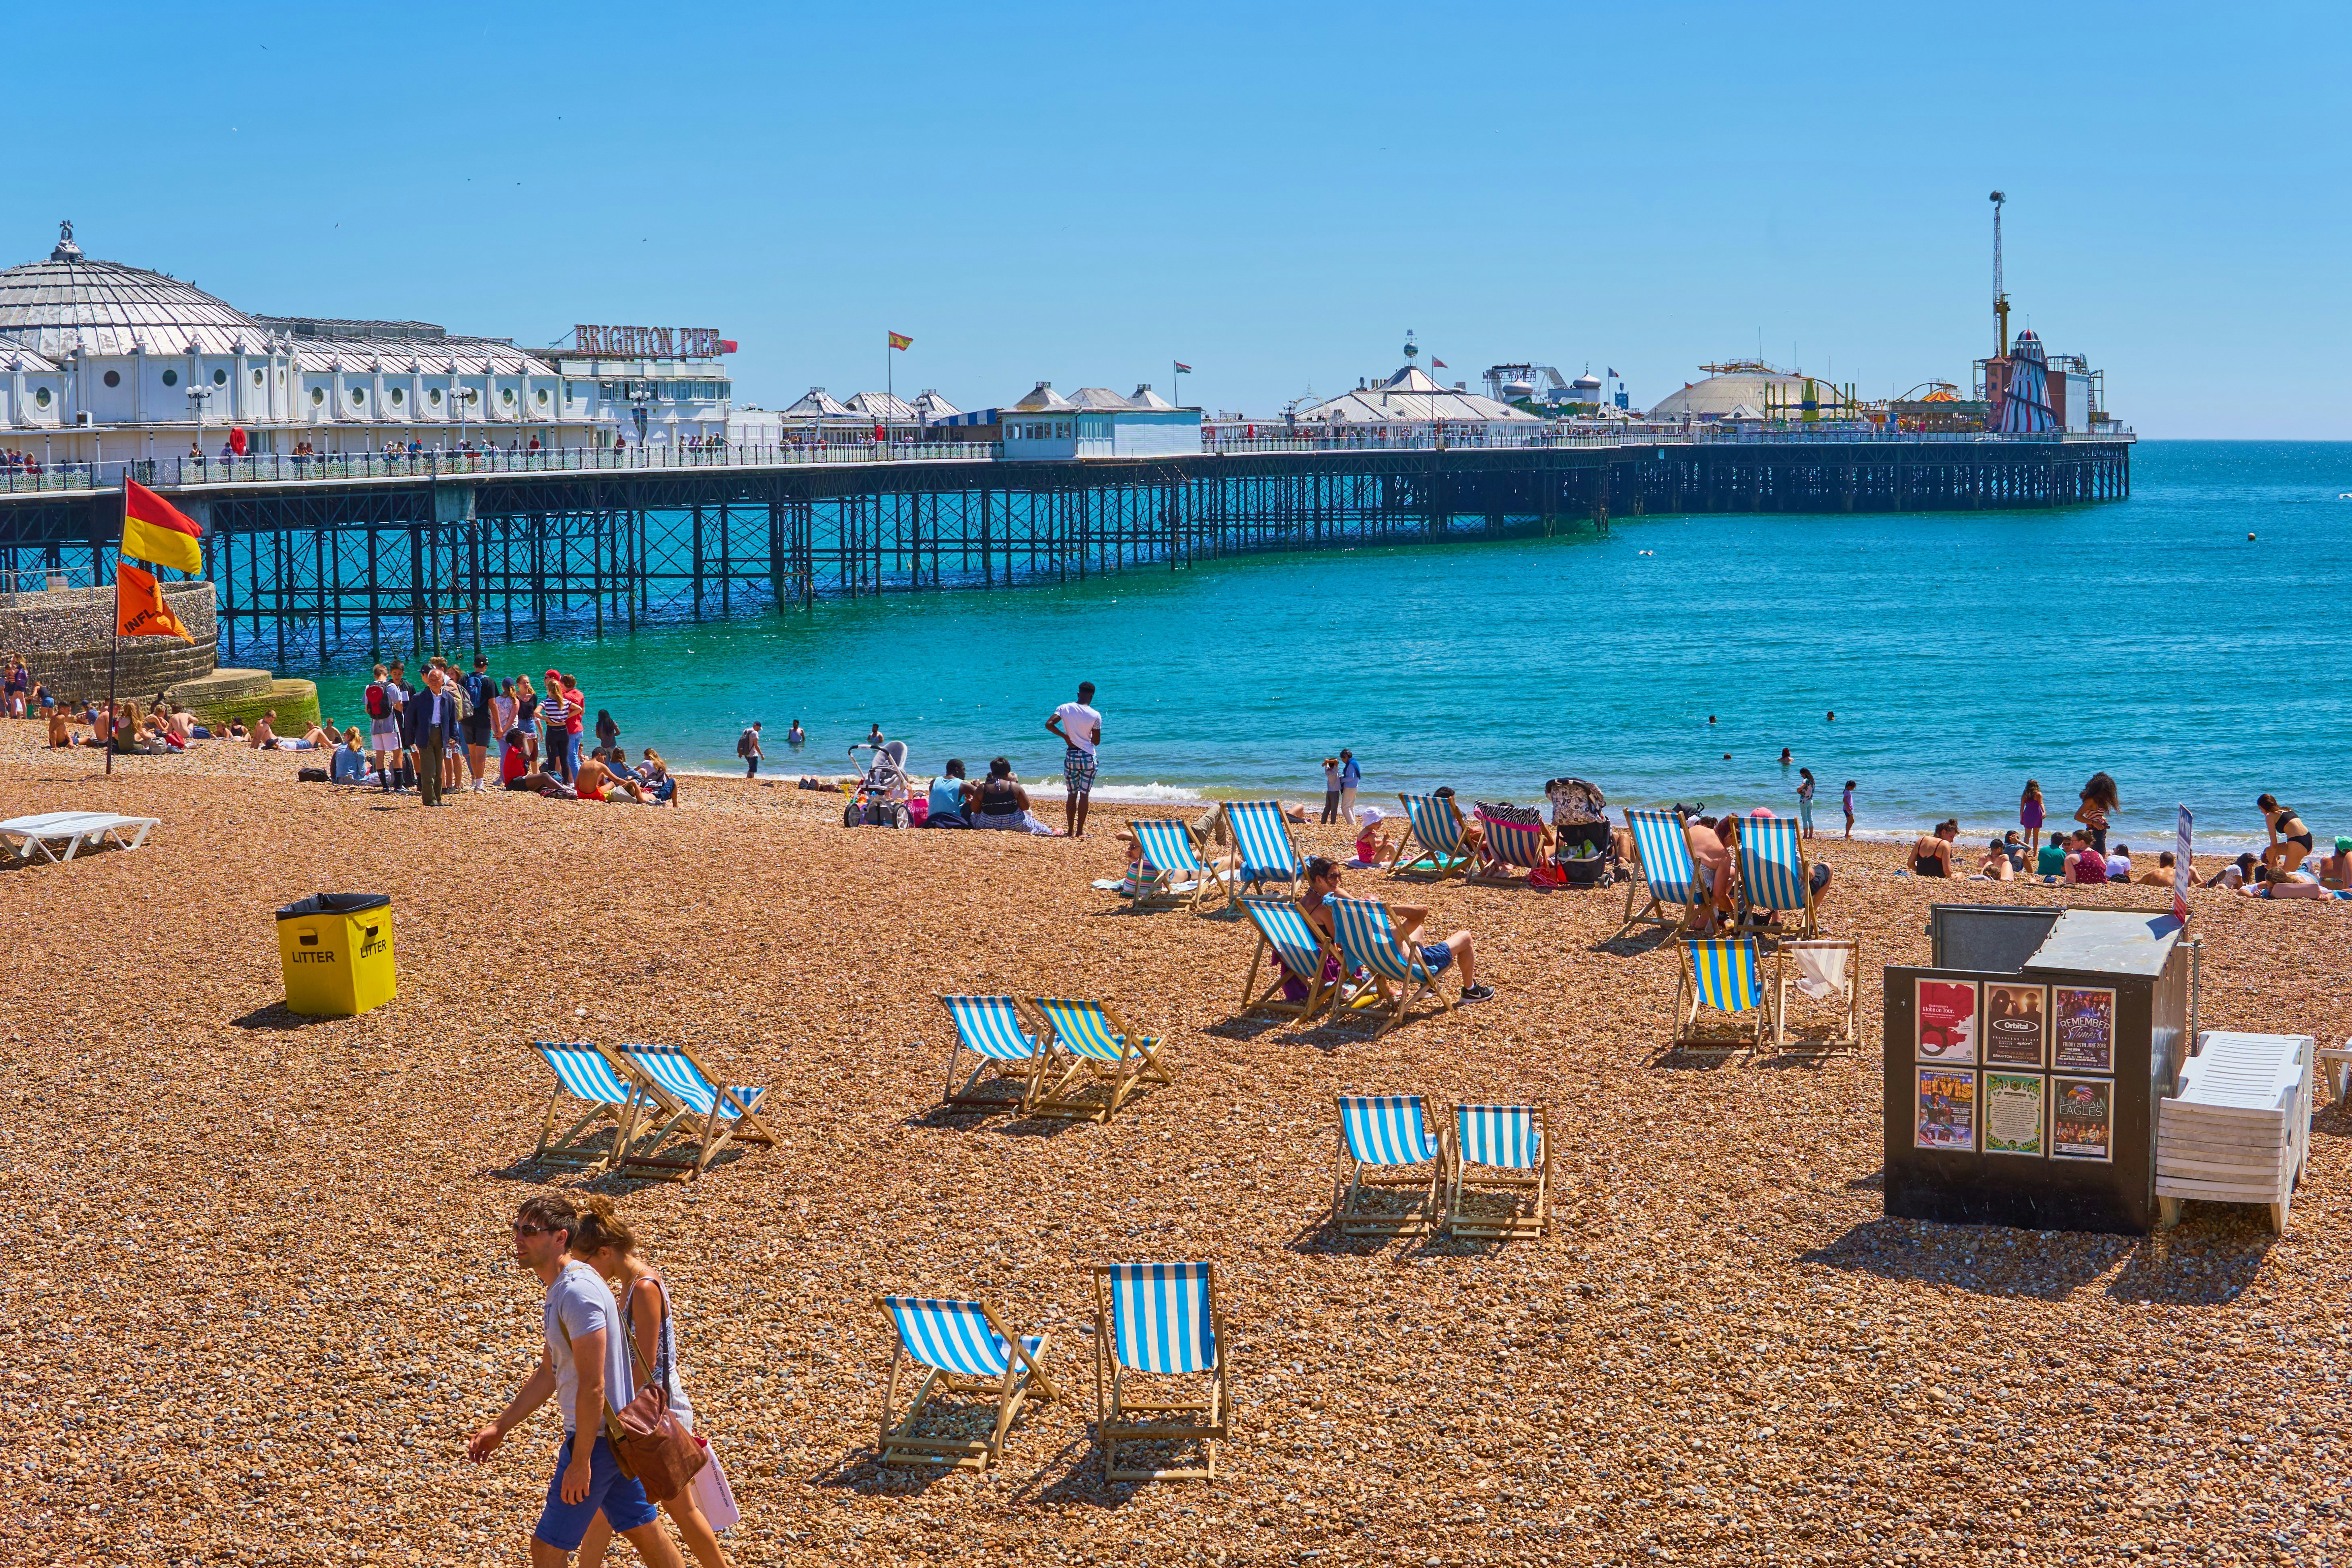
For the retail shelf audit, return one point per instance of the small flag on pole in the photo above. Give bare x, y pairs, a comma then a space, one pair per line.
156, 530
138, 607
1437, 364
1185, 368
901, 341
1613, 373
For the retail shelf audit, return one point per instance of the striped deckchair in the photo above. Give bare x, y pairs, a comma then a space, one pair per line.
1383, 1141
963, 1349
1367, 940
680, 1090
1300, 956
1269, 854
588, 1077
1160, 1319
1106, 1049
1774, 882
991, 1028
1667, 870
1511, 1147
1504, 846
1721, 974
1169, 856
1437, 830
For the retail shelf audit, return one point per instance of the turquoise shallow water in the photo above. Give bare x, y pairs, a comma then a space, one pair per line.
1962, 654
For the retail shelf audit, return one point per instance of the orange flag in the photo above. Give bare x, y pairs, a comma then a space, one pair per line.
154, 529
138, 607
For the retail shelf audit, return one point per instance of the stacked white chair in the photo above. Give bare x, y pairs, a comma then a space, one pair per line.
2238, 1129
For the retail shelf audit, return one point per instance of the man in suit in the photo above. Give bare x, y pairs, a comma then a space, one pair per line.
431, 721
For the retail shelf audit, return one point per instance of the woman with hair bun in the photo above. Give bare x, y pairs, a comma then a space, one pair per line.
606, 1244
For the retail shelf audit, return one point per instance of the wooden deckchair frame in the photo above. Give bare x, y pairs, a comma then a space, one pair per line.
1690, 912
1231, 883
1438, 863
1754, 921
1689, 998
1489, 868
1530, 1191
899, 1444
746, 1124
1847, 1043
1139, 1064
1421, 981
1319, 992
1121, 1418
1030, 1075
565, 1148
1144, 897
1353, 1189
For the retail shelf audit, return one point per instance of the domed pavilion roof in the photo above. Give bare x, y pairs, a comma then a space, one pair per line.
109, 308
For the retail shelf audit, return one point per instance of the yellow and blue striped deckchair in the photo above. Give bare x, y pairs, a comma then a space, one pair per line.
1721, 974
1437, 829
680, 1088
589, 1077
1382, 1137
1774, 881
1160, 1319
1269, 854
993, 1030
1367, 940
1301, 956
1511, 1147
1504, 846
963, 1350
1106, 1049
1667, 870
1168, 856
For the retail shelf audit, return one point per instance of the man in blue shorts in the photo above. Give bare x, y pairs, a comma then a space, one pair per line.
1405, 920
1080, 727
586, 1356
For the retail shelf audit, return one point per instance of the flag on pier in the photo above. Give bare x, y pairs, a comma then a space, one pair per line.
901, 341
138, 607
156, 530
1613, 373
1437, 364
1185, 368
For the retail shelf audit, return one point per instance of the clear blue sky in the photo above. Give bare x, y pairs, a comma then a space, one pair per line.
1273, 195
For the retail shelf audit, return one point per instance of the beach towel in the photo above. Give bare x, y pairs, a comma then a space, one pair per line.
1820, 972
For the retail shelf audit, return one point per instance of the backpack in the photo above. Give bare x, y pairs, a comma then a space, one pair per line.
378, 705
743, 746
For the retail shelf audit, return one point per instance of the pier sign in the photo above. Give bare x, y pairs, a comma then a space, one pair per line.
651, 342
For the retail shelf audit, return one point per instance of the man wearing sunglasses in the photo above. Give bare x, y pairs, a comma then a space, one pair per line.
586, 1355
1406, 921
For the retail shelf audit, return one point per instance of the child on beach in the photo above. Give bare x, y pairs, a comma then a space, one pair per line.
1372, 847
1849, 807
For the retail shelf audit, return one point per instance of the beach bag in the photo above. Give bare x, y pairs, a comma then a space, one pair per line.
310, 775
712, 1496
648, 1443
1547, 874
378, 705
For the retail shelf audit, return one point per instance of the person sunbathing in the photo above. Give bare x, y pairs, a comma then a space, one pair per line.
2336, 870
318, 737
2162, 875
2270, 883
1717, 864
595, 781
1406, 921
1932, 854
1374, 847
2291, 840
60, 731
1145, 877
264, 738
349, 765
2236, 875
654, 774
1997, 866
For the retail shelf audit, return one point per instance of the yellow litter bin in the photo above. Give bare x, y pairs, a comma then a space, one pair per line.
336, 949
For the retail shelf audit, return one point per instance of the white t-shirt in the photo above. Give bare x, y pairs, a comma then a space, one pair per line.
579, 1294
2118, 867
1079, 722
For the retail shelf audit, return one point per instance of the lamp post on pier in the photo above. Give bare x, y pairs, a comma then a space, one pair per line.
197, 398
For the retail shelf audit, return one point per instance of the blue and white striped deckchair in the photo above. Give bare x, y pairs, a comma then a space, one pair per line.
1504, 845
1161, 1320
1667, 870
1367, 940
1437, 829
993, 1030
1510, 1146
1382, 1137
612, 1091
1301, 958
682, 1091
1269, 854
1721, 974
1774, 882
1106, 1049
963, 1349
1169, 859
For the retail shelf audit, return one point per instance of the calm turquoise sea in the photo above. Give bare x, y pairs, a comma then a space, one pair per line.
1961, 653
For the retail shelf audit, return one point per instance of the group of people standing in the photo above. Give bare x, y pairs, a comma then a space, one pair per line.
436, 733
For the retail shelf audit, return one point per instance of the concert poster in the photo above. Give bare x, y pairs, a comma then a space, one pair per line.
2017, 1025
1947, 1020
2081, 1118
2013, 1113
1947, 1110
2085, 1038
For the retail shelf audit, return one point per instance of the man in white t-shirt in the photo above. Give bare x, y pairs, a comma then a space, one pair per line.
1080, 727
586, 1365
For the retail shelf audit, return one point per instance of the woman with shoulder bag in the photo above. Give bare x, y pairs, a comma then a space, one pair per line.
606, 1243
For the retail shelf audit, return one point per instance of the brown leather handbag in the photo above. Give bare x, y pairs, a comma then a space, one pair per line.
648, 1443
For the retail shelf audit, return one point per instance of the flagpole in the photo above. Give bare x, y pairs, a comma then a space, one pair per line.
114, 642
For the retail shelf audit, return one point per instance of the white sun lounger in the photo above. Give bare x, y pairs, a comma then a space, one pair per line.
75, 829
2237, 1131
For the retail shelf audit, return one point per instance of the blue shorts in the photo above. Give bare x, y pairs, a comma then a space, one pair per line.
563, 1524
1436, 957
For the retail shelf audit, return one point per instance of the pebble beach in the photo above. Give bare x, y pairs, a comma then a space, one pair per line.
264, 1287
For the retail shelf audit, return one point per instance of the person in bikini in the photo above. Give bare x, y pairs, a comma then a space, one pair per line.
1932, 854
2290, 840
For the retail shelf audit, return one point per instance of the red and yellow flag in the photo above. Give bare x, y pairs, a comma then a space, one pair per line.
138, 607
154, 529
901, 341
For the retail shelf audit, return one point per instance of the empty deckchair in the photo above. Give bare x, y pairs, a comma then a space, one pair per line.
587, 1076
1776, 889
1435, 844
1367, 940
1668, 871
1825, 970
1171, 860
1106, 1052
1721, 975
1510, 1148
683, 1091
1269, 854
963, 1350
1384, 1141
1507, 843
76, 831
1301, 959
1158, 1320
993, 1030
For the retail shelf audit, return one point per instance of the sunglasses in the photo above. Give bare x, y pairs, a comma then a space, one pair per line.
532, 1230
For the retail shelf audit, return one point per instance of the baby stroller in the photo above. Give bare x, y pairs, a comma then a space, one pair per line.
879, 800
